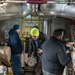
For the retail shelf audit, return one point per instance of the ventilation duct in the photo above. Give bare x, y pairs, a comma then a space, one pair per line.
17, 9
14, 9
63, 10
3, 8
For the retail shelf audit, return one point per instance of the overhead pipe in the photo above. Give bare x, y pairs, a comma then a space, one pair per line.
50, 2
34, 9
63, 10
13, 9
51, 8
20, 1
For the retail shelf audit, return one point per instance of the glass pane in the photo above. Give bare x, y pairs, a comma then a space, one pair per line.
31, 23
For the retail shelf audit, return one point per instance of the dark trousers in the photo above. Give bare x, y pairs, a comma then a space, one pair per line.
39, 66
47, 73
16, 64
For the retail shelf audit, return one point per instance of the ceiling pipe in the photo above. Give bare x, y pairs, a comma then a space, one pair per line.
50, 2
34, 9
4, 4
62, 10
15, 1
12, 9
52, 8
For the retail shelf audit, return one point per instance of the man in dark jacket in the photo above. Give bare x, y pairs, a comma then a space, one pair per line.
16, 49
35, 43
54, 57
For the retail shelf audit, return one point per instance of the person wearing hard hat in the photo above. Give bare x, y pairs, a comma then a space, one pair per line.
35, 43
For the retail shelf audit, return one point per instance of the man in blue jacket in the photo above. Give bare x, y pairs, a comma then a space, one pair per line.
54, 57
16, 49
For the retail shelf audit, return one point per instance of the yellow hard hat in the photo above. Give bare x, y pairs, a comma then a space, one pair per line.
34, 32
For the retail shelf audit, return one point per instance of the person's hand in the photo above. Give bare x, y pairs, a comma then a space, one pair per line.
40, 51
29, 58
67, 51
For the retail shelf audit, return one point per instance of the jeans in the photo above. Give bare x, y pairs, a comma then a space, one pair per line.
47, 73
16, 64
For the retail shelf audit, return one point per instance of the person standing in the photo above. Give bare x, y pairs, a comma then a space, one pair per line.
54, 57
35, 42
16, 49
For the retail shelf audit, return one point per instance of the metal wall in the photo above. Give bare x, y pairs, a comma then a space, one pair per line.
6, 25
56, 23
52, 24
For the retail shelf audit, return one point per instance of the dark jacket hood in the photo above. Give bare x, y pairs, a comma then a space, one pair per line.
15, 42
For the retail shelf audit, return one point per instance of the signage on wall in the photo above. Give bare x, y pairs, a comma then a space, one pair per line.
37, 1
33, 23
